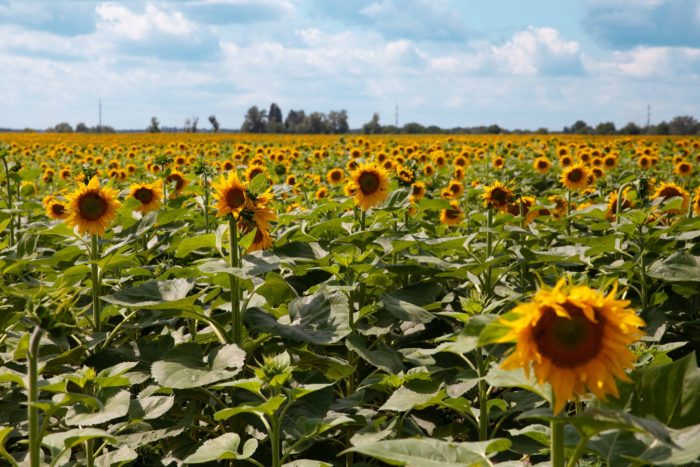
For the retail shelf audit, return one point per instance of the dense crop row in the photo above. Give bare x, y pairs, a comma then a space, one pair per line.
310, 301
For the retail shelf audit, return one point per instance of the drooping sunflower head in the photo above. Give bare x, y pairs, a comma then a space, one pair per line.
575, 338
371, 185
576, 177
696, 202
452, 215
668, 190
497, 196
261, 241
418, 190
92, 208
148, 194
177, 181
230, 195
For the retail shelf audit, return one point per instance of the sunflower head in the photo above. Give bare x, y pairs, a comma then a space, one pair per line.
452, 215
371, 185
148, 194
230, 195
335, 176
667, 191
56, 209
575, 338
576, 177
542, 165
92, 208
497, 196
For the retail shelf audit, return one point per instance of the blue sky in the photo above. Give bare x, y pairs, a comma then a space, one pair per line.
517, 63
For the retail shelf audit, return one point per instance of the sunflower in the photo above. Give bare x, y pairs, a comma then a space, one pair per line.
644, 162
56, 209
178, 181
670, 190
683, 169
371, 185
91, 208
575, 338
417, 191
261, 241
576, 177
452, 215
542, 165
696, 202
335, 176
148, 194
498, 163
231, 195
626, 202
322, 193
497, 196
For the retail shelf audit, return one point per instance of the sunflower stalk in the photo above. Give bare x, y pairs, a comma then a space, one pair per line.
557, 443
483, 397
95, 277
33, 398
489, 250
568, 212
236, 322
10, 206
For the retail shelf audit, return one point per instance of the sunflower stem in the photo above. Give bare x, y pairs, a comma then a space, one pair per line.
489, 249
95, 277
32, 398
236, 331
8, 185
483, 398
557, 443
568, 211
206, 203
580, 447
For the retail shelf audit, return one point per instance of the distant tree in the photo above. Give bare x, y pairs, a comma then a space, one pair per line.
543, 131
372, 127
81, 128
581, 128
193, 127
275, 114
605, 128
294, 122
316, 123
631, 129
413, 128
684, 125
63, 127
154, 127
662, 128
338, 121
391, 130
255, 121
494, 129
214, 123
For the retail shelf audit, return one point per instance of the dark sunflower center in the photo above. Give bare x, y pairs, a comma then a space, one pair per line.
145, 195
369, 182
335, 175
235, 198
542, 164
258, 236
92, 206
669, 192
454, 188
499, 196
452, 213
575, 175
58, 209
568, 343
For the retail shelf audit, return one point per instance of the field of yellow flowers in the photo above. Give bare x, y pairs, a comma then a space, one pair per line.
310, 301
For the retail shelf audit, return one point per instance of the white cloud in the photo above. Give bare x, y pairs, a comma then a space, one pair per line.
676, 63
537, 50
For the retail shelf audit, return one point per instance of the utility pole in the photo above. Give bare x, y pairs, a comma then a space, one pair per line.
396, 116
99, 105
648, 116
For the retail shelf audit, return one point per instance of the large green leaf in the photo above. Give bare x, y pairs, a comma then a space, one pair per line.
223, 447
429, 452
119, 457
322, 318
381, 356
155, 295
679, 267
670, 393
116, 405
184, 367
415, 394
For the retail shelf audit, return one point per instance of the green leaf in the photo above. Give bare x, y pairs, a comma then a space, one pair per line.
670, 393
258, 185
679, 267
382, 357
276, 290
320, 319
183, 367
307, 463
415, 395
267, 407
223, 447
429, 452
155, 295
150, 407
190, 244
121, 456
116, 406
516, 378
68, 439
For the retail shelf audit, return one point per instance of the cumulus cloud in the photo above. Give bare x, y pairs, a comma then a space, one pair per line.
237, 11
155, 32
674, 63
538, 51
58, 17
625, 24
432, 20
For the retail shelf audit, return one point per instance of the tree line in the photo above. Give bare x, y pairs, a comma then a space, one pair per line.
258, 120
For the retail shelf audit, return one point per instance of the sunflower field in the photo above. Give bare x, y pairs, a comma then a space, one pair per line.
349, 300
